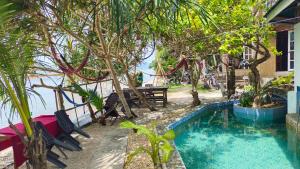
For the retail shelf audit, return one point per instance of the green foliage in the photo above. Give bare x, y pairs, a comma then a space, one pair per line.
247, 98
164, 58
93, 97
17, 51
242, 25
157, 142
248, 88
139, 79
10, 8
163, 62
283, 80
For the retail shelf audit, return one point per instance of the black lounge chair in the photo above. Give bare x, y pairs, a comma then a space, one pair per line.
110, 106
68, 127
50, 142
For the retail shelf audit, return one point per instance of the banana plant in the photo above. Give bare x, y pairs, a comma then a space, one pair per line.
158, 143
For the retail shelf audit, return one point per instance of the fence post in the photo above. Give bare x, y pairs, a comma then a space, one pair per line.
60, 98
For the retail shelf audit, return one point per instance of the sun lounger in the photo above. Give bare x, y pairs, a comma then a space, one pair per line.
50, 142
110, 108
68, 128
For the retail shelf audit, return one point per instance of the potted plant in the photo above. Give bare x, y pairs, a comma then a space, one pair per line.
267, 104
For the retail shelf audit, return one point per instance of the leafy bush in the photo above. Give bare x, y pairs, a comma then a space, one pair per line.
248, 88
247, 98
157, 143
283, 80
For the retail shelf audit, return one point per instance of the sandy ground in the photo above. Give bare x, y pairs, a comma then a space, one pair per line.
109, 145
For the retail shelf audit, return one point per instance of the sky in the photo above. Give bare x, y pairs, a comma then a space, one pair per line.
144, 67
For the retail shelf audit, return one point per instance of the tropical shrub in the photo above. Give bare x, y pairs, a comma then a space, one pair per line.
283, 80
157, 143
264, 95
247, 98
94, 98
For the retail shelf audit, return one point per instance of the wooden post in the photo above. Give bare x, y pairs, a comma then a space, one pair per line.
75, 110
56, 104
165, 94
60, 99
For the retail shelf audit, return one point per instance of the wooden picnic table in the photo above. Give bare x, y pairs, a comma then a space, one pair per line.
153, 93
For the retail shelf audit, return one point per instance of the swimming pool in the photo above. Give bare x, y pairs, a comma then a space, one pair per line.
215, 139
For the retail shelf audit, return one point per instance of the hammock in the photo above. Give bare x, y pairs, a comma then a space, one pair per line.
99, 78
182, 63
82, 64
68, 69
71, 101
74, 103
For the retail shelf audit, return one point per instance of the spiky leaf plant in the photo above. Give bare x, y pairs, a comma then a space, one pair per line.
93, 97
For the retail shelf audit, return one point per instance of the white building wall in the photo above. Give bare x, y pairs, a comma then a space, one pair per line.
293, 106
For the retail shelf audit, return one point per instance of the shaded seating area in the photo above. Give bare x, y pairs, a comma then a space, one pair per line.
152, 93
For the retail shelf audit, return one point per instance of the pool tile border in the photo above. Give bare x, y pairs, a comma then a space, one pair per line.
198, 111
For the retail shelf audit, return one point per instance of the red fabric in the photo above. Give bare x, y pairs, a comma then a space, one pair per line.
182, 63
18, 148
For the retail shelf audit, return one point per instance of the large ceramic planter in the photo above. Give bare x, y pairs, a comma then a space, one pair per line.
273, 114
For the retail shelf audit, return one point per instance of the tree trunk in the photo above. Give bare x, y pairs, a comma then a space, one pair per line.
36, 152
196, 100
256, 78
194, 80
60, 99
230, 81
138, 93
118, 88
92, 113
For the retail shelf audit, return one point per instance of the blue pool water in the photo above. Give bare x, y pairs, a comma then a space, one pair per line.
215, 139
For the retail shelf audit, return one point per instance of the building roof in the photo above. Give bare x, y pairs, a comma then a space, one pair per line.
282, 9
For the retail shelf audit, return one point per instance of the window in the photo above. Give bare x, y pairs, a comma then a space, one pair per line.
248, 53
291, 52
243, 61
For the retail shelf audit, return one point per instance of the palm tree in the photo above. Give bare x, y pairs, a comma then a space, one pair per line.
17, 51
